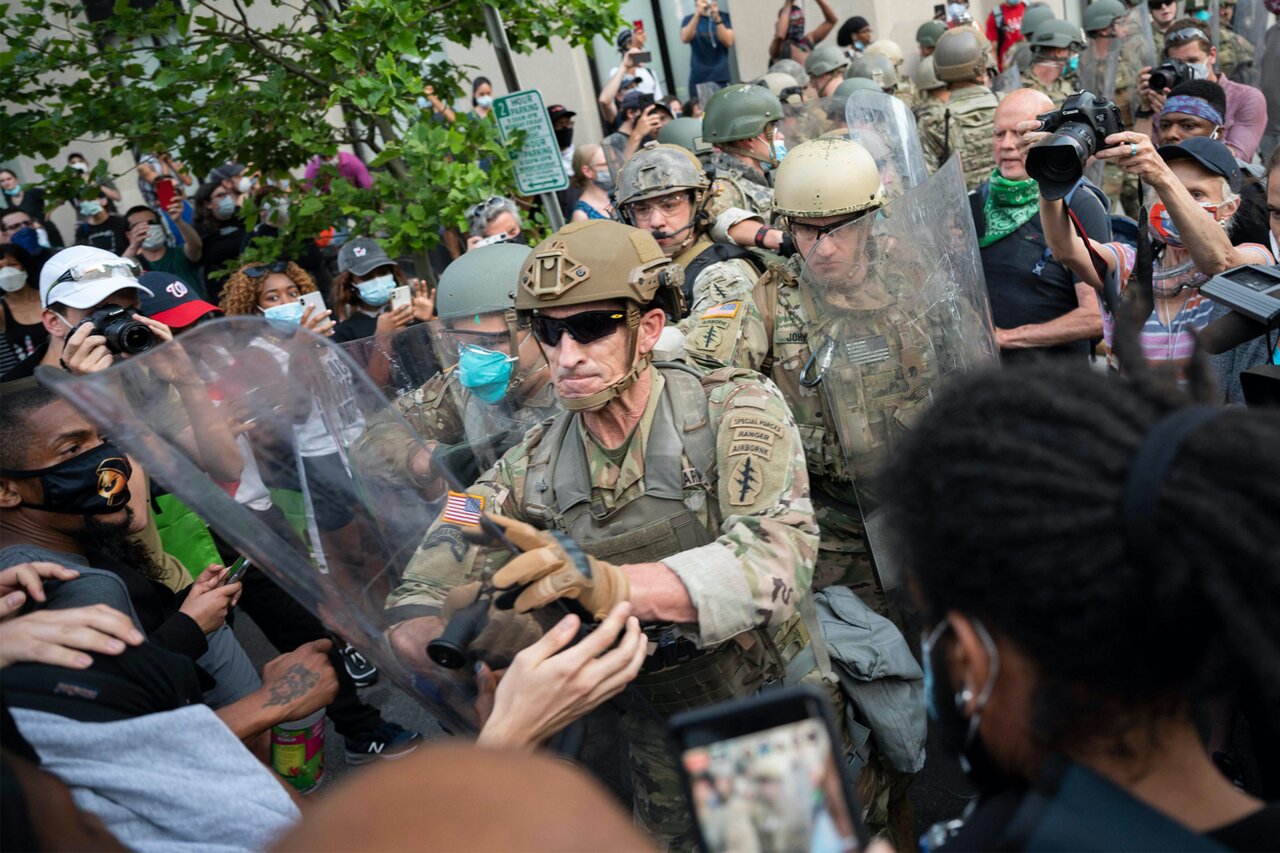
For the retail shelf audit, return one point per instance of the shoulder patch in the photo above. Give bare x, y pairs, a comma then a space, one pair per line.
728, 310
463, 508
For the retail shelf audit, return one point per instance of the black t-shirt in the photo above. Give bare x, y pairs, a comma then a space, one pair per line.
222, 243
358, 325
1025, 284
1259, 831
111, 234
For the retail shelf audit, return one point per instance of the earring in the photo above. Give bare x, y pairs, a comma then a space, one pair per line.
963, 698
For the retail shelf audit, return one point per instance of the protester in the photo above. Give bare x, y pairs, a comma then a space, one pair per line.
709, 34
362, 293
101, 229
20, 324
854, 35
630, 42
149, 245
350, 167
1037, 305
637, 124
594, 181
78, 162
222, 234
790, 41
1004, 30
30, 200
494, 217
160, 164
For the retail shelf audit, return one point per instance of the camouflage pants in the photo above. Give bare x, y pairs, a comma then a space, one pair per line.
659, 803
843, 555
886, 808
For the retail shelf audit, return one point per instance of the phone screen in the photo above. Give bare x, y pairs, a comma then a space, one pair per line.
775, 789
235, 571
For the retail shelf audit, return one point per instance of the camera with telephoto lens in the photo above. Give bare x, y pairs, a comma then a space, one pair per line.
1079, 127
1168, 74
124, 333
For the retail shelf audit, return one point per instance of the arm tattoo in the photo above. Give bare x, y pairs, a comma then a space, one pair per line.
294, 683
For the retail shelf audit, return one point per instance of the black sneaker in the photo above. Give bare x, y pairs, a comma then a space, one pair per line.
386, 740
358, 667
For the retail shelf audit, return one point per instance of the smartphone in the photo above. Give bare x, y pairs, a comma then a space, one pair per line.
496, 238
165, 190
939, 12
642, 57
401, 297
637, 26
236, 570
313, 300
646, 101
766, 773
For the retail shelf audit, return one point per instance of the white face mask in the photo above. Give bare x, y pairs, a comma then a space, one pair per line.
154, 238
13, 278
1199, 70
245, 184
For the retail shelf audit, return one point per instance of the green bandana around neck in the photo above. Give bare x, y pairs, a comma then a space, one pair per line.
1009, 205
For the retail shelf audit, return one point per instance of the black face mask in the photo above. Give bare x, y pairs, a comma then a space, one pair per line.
94, 483
520, 239
564, 137
956, 734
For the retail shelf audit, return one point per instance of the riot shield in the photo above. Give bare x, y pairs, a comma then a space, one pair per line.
811, 119
1008, 80
885, 127
1250, 23
1215, 24
1137, 51
397, 363
332, 525
1099, 65
897, 303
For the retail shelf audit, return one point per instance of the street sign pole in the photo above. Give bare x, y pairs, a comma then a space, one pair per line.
498, 36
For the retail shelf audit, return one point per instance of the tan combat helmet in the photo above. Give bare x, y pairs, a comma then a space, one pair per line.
886, 48
824, 60
878, 69
804, 185
926, 78
657, 170
962, 55
777, 82
790, 66
600, 260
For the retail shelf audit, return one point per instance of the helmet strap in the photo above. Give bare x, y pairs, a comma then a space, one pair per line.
639, 363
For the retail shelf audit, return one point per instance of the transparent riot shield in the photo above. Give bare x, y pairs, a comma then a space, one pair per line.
1250, 23
811, 119
885, 127
397, 363
1215, 24
897, 304
333, 521
1007, 80
1099, 65
705, 91
1137, 51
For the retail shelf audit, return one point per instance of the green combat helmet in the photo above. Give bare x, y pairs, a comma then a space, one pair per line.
1101, 14
824, 60
657, 170
1033, 17
962, 54
805, 188
482, 281
686, 132
926, 78
599, 260
1056, 33
928, 32
739, 112
878, 69
790, 66
856, 84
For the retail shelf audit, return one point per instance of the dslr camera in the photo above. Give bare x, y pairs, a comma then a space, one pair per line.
1080, 128
1168, 74
120, 326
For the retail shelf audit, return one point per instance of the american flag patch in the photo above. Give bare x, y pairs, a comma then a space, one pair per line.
463, 508
870, 350
728, 309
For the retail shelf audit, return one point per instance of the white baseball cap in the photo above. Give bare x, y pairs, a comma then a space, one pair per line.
83, 276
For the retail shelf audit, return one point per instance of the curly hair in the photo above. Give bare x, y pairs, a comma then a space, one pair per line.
240, 293
345, 296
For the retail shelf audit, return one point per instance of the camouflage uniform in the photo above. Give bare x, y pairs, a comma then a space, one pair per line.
729, 513
1233, 51
1058, 91
927, 105
717, 282
965, 124
737, 186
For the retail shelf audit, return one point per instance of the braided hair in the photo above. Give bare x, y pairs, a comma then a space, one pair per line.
1006, 503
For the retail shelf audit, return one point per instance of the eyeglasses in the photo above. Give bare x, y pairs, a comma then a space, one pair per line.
1156, 4
669, 205
1185, 34
259, 270
116, 268
584, 328
813, 233
17, 226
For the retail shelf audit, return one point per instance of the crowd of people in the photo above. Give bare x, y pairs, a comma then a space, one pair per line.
908, 387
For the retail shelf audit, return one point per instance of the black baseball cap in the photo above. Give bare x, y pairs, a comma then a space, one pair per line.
1209, 153
172, 301
560, 111
631, 101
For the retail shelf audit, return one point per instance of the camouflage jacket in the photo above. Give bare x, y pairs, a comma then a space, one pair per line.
887, 366
737, 186
1234, 52
753, 502
443, 412
1058, 91
718, 282
965, 124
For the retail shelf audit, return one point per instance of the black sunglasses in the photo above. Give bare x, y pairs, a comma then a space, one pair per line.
1156, 4
584, 328
259, 270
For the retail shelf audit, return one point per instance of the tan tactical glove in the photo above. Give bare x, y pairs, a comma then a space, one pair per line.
504, 634
553, 567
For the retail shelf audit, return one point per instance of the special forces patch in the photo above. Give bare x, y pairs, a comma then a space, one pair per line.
708, 335
745, 481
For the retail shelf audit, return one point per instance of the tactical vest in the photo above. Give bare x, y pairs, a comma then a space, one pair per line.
756, 195
968, 123
714, 253
655, 524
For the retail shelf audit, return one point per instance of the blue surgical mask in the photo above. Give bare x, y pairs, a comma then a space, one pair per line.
27, 238
90, 208
779, 149
1074, 65
284, 318
484, 372
377, 291
226, 206
484, 101
17, 188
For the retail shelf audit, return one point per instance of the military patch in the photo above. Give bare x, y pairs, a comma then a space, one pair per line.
728, 310
745, 481
872, 350
463, 508
450, 536
708, 335
752, 448
755, 422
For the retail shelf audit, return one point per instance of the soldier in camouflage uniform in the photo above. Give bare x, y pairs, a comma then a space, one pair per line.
1052, 45
1235, 54
741, 121
932, 93
466, 404
961, 60
905, 89
682, 492
843, 289
664, 190
826, 66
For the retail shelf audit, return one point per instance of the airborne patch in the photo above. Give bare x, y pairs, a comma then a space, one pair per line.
728, 311
745, 482
708, 335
